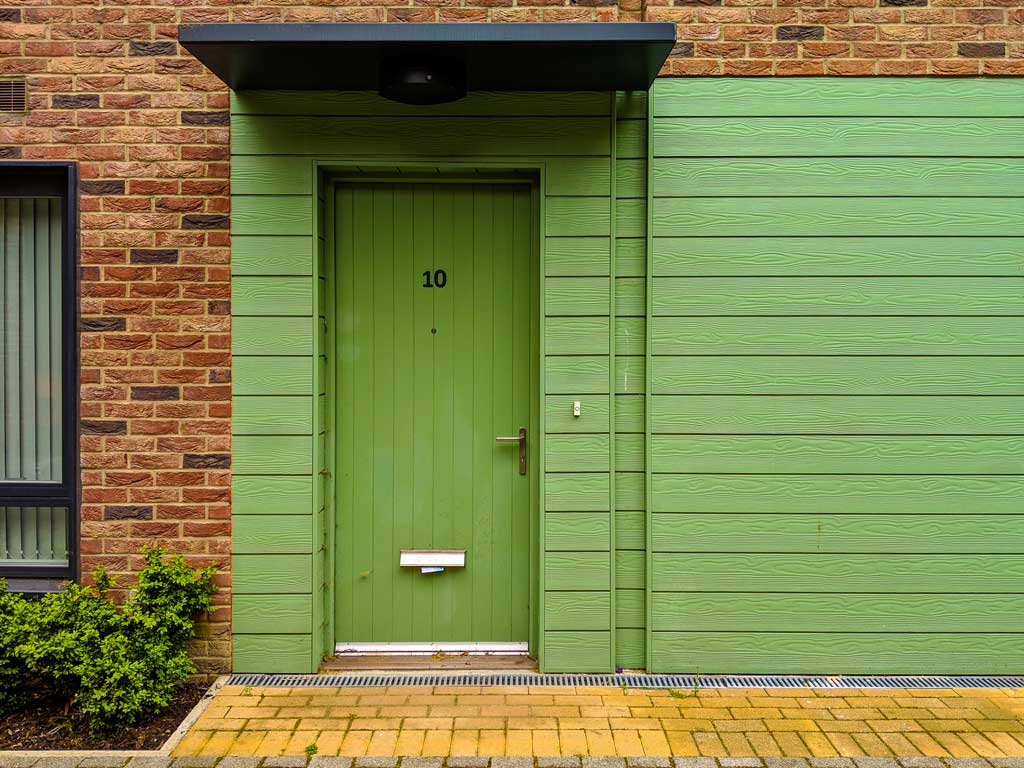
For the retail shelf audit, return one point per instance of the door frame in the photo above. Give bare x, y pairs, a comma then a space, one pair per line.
327, 174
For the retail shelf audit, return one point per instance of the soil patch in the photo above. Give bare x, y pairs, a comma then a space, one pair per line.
42, 724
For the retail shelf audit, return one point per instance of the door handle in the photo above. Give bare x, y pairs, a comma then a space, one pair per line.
521, 439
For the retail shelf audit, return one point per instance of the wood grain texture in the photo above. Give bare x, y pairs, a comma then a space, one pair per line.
577, 217
629, 490
271, 255
828, 96
629, 648
630, 256
272, 296
825, 414
272, 215
576, 256
838, 533
956, 496
257, 415
838, 336
767, 375
832, 296
839, 176
272, 336
257, 174
593, 418
283, 653
629, 529
630, 610
271, 534
847, 136
262, 375
368, 103
576, 452
630, 378
840, 653
420, 136
576, 492
271, 574
576, 296
831, 255
856, 216
578, 651
272, 455
629, 570
576, 336
272, 614
576, 611
271, 495
577, 176
630, 338
844, 574
838, 454
587, 571
577, 531
576, 374
740, 612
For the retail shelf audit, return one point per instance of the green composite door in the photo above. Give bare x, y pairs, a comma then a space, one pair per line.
434, 303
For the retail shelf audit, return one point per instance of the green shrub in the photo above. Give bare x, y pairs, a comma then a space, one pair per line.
113, 664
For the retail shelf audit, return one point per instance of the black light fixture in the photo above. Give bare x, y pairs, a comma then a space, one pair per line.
421, 79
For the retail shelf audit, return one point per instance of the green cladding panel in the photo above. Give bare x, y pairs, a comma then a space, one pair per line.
836, 374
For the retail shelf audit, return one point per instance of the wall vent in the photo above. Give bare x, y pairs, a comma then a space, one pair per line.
13, 94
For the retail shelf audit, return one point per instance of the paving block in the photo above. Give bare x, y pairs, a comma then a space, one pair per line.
376, 761
422, 762
653, 762
468, 762
558, 762
1008, 762
968, 762
284, 761
511, 762
195, 762
740, 762
239, 762
604, 762
146, 761
328, 761
786, 762
16, 761
831, 762
931, 762
695, 762
62, 761
106, 761
876, 762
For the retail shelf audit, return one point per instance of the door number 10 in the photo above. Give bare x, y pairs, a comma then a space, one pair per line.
436, 279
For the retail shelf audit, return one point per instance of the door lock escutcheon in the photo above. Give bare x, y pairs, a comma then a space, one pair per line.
521, 439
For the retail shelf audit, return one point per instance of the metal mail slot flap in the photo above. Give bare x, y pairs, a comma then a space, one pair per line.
437, 558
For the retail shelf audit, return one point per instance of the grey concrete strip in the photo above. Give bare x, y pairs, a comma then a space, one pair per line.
376, 762
468, 762
652, 762
149, 761
558, 762
103, 761
876, 762
740, 762
695, 762
285, 761
511, 762
422, 762
13, 760
831, 762
604, 762
785, 762
239, 762
327, 761
930, 762
195, 762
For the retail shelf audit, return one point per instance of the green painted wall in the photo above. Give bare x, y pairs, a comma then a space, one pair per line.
836, 376
281, 373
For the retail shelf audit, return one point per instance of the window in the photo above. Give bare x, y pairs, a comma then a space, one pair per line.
38, 370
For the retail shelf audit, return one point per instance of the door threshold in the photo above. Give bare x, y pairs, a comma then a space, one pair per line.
431, 649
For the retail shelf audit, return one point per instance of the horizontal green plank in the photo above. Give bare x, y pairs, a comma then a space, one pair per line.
838, 296
631, 217
629, 413
577, 453
630, 336
271, 255
272, 336
576, 336
271, 534
272, 614
731, 572
849, 136
629, 452
577, 295
846, 217
630, 296
827, 454
838, 336
577, 492
631, 140
577, 531
829, 494
262, 375
629, 490
828, 414
629, 570
828, 96
764, 375
629, 529
630, 256
844, 176
631, 105
577, 216
271, 495
631, 178
576, 256
739, 612
839, 653
272, 455
577, 651
271, 215
629, 374
576, 374
593, 418
577, 176
629, 648
271, 175
273, 653
272, 296
475, 103
838, 533
586, 571
577, 610
830, 255
630, 608
271, 574
276, 415
424, 136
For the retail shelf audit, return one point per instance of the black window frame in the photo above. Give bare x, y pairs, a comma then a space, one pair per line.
31, 178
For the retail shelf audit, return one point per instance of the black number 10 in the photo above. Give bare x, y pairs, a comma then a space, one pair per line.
439, 279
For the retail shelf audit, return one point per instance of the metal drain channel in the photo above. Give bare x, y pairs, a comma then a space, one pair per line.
627, 681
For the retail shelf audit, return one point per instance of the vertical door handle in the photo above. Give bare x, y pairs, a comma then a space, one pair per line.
521, 439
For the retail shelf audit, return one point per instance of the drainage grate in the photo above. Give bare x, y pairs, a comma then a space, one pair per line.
628, 681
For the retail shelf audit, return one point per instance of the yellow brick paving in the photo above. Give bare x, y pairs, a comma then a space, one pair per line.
549, 722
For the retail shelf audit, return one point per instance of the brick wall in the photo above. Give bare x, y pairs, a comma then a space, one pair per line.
111, 89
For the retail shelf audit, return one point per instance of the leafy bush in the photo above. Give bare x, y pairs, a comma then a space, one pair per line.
113, 664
